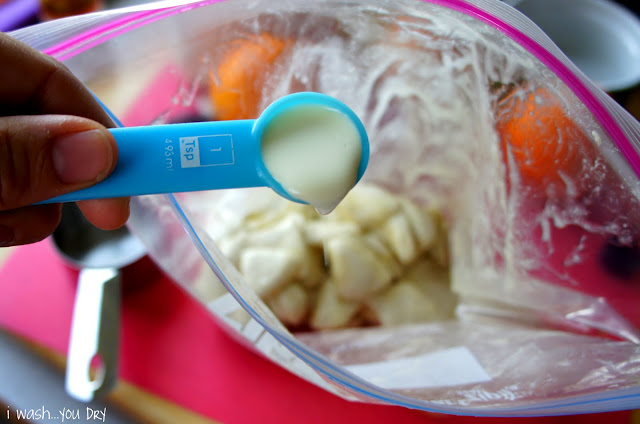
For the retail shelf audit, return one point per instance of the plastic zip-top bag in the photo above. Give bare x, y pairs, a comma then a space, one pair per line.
486, 264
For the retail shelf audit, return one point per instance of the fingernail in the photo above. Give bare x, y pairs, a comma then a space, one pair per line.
82, 157
7, 236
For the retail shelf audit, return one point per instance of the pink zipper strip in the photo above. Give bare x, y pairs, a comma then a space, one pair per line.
89, 39
95, 33
103, 33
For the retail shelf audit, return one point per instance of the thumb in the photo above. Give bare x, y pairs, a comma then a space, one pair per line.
49, 155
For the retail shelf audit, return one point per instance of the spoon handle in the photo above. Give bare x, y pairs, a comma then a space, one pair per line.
94, 334
177, 158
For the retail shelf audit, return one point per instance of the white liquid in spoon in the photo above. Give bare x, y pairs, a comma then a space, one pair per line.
314, 152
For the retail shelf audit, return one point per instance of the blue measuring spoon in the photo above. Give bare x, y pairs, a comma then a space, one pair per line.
176, 158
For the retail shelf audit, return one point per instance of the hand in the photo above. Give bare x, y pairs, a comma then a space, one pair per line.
53, 140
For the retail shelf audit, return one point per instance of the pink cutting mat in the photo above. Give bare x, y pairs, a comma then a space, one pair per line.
171, 347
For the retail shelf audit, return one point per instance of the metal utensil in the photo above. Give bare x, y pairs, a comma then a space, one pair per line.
94, 339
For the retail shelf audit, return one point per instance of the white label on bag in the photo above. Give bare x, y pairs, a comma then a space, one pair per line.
267, 344
450, 367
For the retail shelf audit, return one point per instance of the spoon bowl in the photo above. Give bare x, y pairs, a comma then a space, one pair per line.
100, 255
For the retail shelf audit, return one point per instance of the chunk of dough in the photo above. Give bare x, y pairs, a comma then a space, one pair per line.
355, 268
422, 223
403, 303
399, 237
268, 269
332, 311
368, 206
291, 304
318, 231
433, 280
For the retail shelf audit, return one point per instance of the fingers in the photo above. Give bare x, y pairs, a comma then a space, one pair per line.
29, 224
47, 150
45, 156
34, 83
106, 214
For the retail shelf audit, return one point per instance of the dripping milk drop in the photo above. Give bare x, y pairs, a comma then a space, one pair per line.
314, 153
